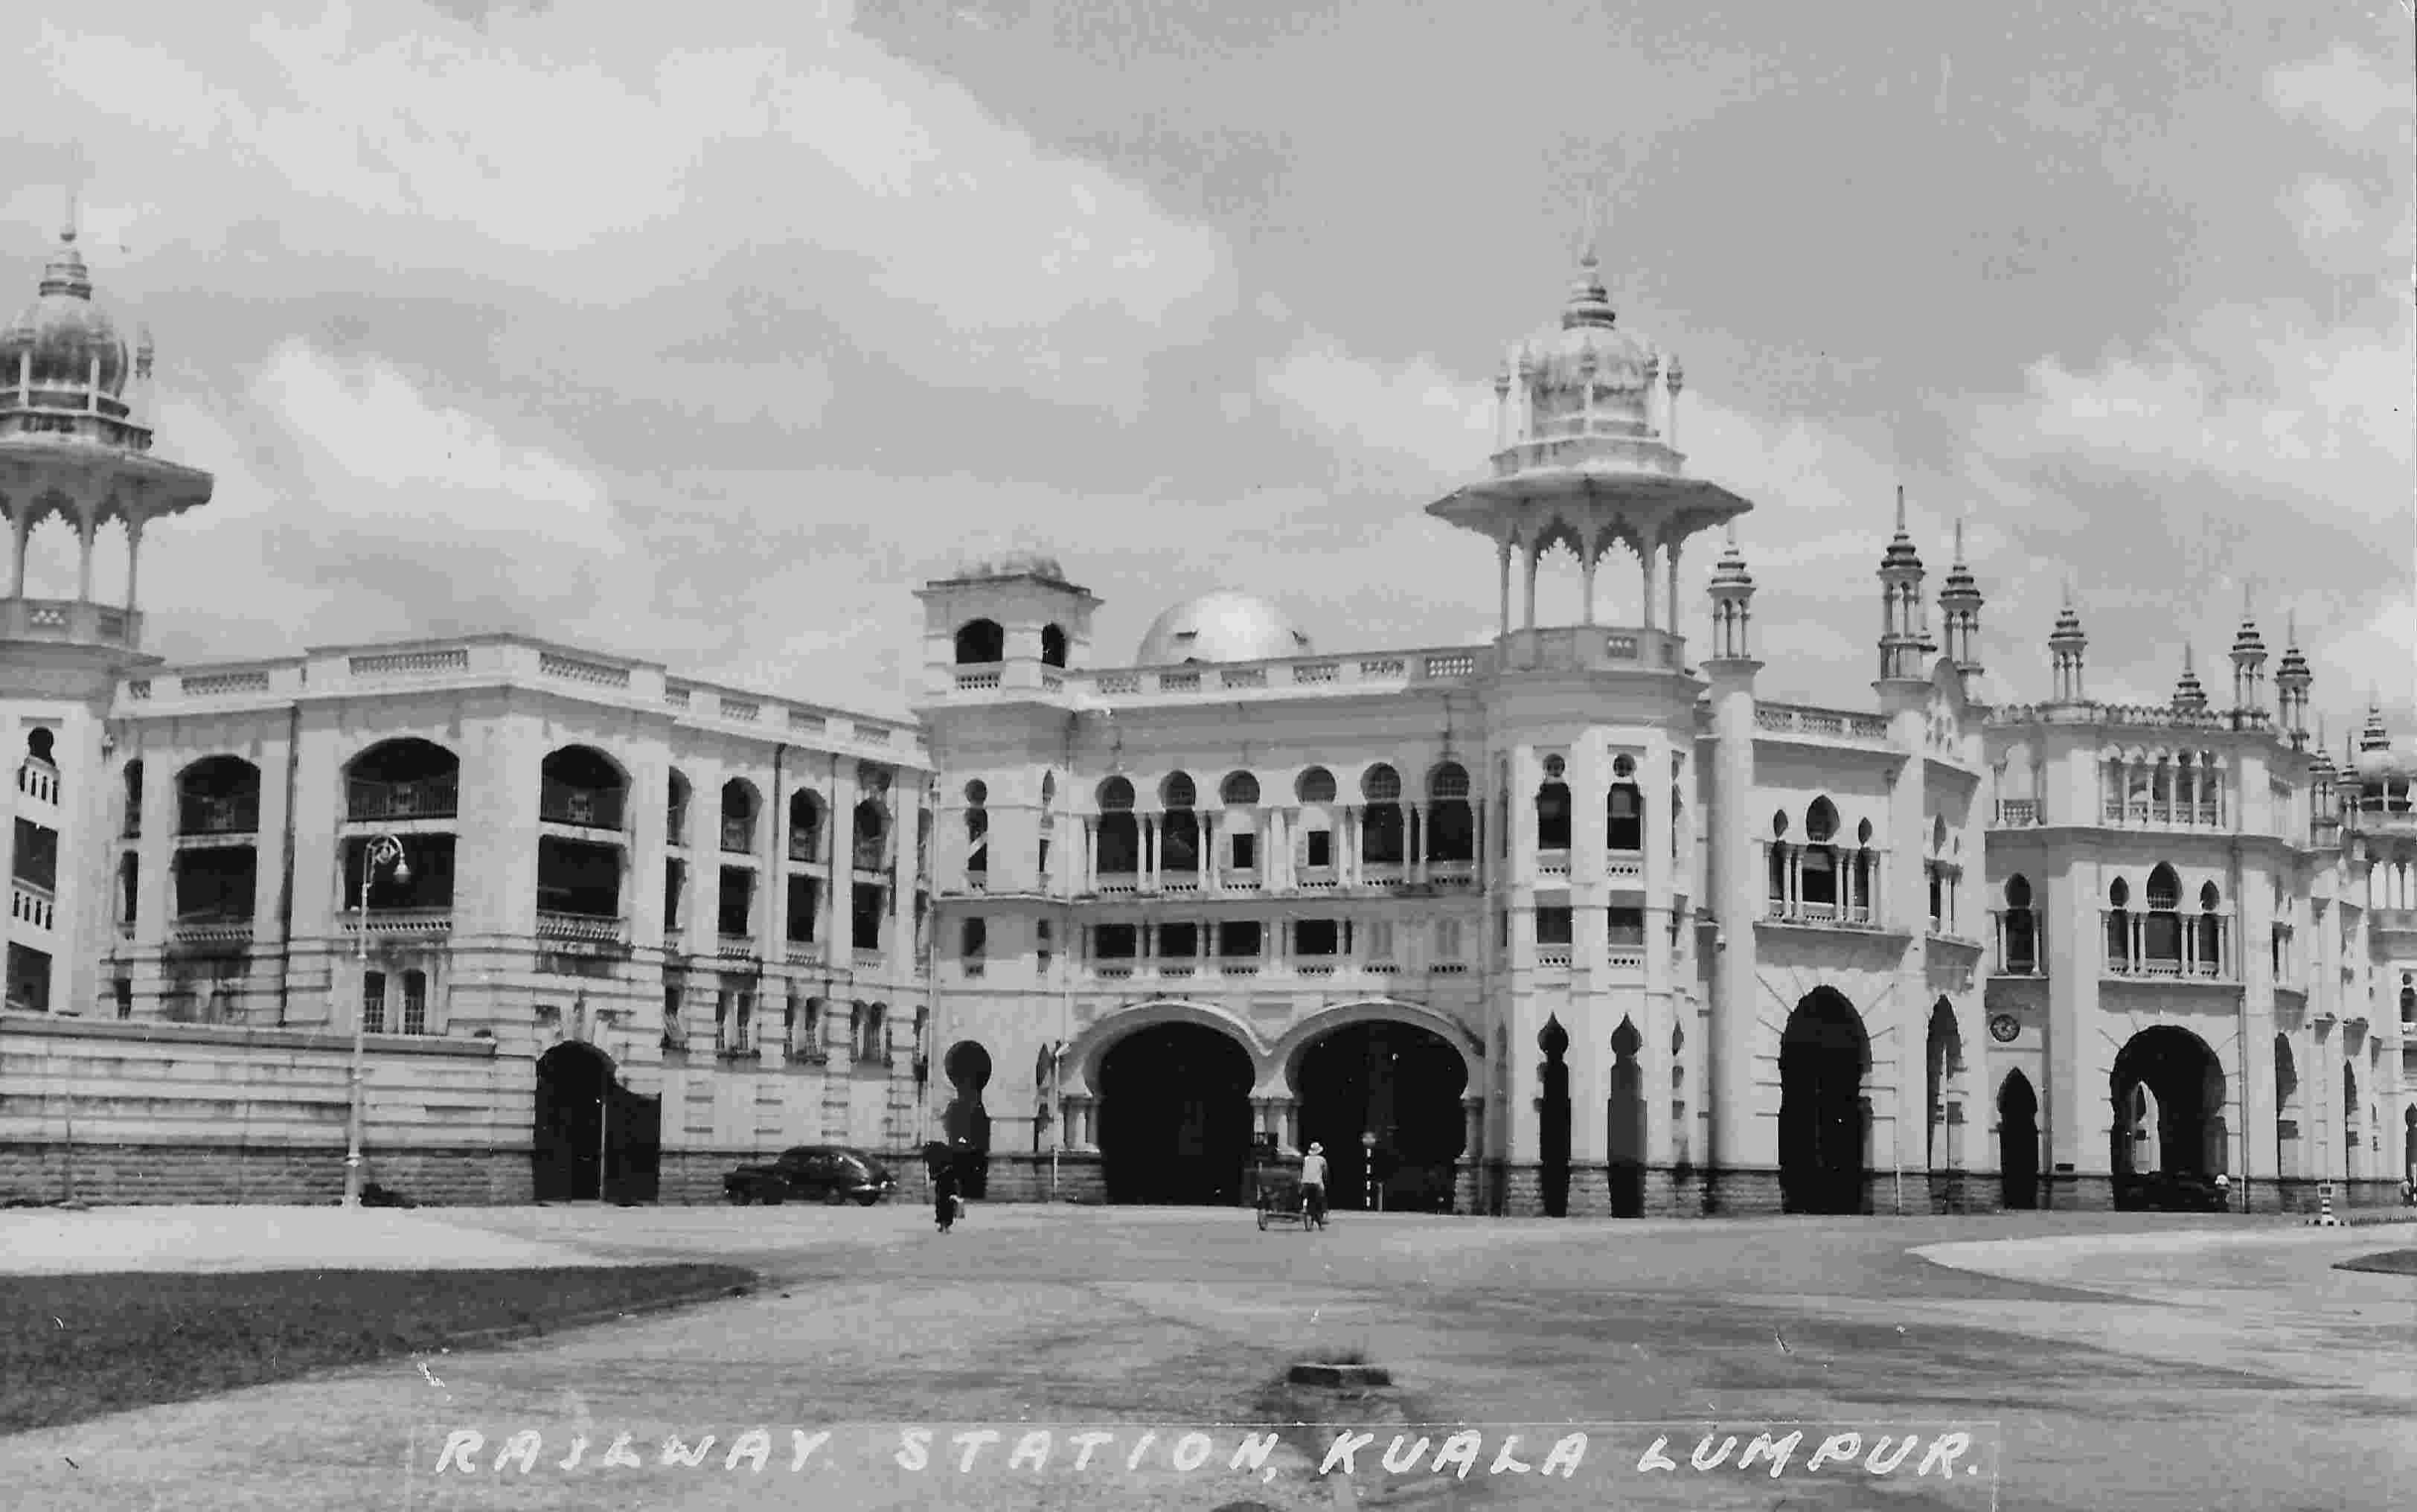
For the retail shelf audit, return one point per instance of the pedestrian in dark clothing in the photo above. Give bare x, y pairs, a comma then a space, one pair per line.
941, 1163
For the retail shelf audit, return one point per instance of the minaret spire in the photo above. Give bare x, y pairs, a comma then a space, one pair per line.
1904, 638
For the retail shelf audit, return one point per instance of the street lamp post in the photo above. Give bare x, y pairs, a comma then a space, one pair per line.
382, 850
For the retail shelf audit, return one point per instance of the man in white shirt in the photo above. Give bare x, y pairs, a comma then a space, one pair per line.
1313, 1182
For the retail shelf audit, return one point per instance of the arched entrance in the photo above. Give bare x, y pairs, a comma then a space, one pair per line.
1175, 1116
1624, 1122
1822, 1056
2169, 1096
592, 1137
1400, 1082
2017, 1142
967, 1068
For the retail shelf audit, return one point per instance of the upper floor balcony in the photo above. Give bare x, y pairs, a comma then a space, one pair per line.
70, 622
580, 806
372, 801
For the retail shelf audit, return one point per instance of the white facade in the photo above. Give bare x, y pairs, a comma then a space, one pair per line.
1578, 921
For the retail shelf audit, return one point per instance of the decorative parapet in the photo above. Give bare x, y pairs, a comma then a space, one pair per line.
1820, 724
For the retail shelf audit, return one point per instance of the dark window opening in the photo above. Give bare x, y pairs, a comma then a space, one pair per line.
427, 880
674, 890
219, 795
217, 885
1451, 831
1053, 647
1624, 819
1626, 928
1246, 851
1317, 937
1553, 817
580, 787
1119, 842
1179, 942
578, 877
1819, 874
36, 857
408, 778
1178, 841
736, 902
1553, 926
1115, 941
805, 906
869, 908
979, 642
1380, 834
29, 979
1320, 847
1238, 937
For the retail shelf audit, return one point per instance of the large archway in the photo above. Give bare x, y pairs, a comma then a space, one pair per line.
2168, 1101
1399, 1081
2019, 1149
1174, 1116
593, 1138
1823, 1054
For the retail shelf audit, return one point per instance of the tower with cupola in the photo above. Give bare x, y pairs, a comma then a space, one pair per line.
75, 443
1593, 733
1959, 612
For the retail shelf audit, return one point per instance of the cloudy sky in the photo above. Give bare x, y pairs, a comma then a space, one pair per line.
705, 332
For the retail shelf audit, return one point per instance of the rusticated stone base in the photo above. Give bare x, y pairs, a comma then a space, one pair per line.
129, 1174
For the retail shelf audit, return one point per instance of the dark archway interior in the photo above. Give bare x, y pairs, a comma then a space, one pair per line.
2017, 1142
967, 1069
2185, 1105
593, 1137
1175, 1116
1395, 1081
1553, 1119
1822, 1056
1624, 1122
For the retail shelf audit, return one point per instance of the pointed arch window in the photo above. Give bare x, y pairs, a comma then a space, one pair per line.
1624, 809
2208, 958
2019, 949
2160, 932
1119, 836
1451, 821
1381, 821
2118, 926
1553, 808
1178, 825
978, 832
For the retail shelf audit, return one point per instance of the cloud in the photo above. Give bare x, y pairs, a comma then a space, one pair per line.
2350, 96
595, 165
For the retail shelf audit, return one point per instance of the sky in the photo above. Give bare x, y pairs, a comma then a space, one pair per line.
705, 333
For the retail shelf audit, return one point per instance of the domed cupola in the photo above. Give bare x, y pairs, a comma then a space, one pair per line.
64, 345
1591, 378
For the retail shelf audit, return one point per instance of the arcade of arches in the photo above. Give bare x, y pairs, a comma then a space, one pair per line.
1176, 1122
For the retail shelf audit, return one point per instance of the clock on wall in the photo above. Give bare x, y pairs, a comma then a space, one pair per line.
2004, 1028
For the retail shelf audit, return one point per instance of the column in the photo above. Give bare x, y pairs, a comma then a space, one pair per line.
1472, 1113
1347, 847
838, 918
1149, 853
21, 527
1529, 551
1503, 553
1671, 614
1090, 882
1414, 855
771, 919
1212, 861
133, 559
1645, 560
85, 528
1586, 569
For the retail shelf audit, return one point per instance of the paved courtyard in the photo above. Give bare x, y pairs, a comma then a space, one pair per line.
2132, 1362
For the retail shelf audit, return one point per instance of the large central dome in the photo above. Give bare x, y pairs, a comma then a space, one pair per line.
1220, 627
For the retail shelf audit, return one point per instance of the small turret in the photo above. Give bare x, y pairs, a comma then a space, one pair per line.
2189, 696
1732, 605
1904, 638
2065, 645
2291, 682
2248, 670
1959, 610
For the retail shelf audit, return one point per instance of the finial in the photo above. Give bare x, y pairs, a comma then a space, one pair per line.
1587, 239
1900, 509
2291, 627
68, 232
2246, 587
2186, 657
1959, 540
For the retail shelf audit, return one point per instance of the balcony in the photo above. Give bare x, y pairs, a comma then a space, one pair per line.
2146, 813
869, 856
731, 946
868, 960
804, 846
38, 780
435, 797
2017, 813
1453, 873
2158, 967
1820, 915
1553, 958
30, 904
1555, 863
737, 836
580, 929
208, 814
401, 923
68, 620
211, 930
1240, 879
560, 803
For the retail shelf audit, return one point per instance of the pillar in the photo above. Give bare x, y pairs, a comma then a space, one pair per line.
1502, 551
1588, 567
133, 559
1671, 615
1531, 552
1645, 562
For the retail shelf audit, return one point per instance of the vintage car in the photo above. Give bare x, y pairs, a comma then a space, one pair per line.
813, 1173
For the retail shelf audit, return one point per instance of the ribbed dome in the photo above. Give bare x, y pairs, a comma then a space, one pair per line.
1220, 627
64, 331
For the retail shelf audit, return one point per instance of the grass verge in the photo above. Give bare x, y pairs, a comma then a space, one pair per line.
78, 1346
2390, 1262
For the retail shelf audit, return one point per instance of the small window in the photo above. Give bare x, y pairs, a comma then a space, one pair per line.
1239, 791
1113, 942
1317, 937
374, 1002
1553, 926
1320, 847
415, 1002
1246, 852
1239, 938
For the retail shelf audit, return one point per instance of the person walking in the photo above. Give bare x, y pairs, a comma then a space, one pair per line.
940, 1162
1313, 1184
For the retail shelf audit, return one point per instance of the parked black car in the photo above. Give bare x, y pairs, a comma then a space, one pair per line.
813, 1173
2169, 1192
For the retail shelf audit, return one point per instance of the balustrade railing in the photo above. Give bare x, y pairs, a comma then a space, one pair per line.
560, 803
435, 797
199, 813
739, 836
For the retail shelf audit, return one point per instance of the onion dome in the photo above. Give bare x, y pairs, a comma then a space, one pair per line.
1591, 376
2189, 697
1220, 627
2376, 764
2292, 671
60, 336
